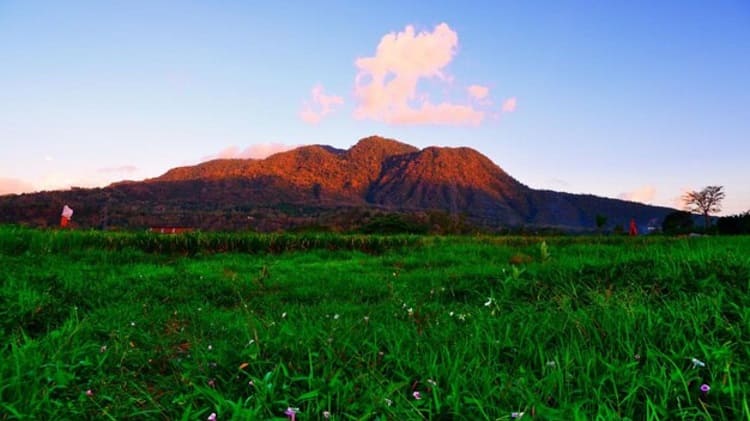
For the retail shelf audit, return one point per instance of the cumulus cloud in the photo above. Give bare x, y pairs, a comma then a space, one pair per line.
15, 186
643, 194
386, 84
319, 105
478, 91
509, 105
256, 151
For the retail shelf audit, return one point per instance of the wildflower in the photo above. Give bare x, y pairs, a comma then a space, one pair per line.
515, 415
462, 317
291, 413
283, 314
432, 382
251, 384
697, 363
335, 317
212, 417
212, 383
210, 347
705, 388
326, 414
89, 393
388, 402
132, 323
103, 349
410, 311
417, 395
367, 319
451, 314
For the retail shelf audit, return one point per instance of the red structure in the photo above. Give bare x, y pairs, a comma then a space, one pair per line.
633, 227
67, 213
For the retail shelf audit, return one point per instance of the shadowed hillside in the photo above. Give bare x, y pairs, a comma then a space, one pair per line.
322, 185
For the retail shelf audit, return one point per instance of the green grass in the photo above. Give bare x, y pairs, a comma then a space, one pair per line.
247, 325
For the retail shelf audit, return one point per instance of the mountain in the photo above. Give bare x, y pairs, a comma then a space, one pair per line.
322, 185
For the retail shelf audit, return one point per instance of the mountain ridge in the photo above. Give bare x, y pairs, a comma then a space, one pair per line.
376, 173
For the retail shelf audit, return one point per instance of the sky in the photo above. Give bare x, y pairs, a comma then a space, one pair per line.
639, 100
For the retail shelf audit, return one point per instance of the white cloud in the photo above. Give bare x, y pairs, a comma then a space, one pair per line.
256, 151
478, 91
386, 83
319, 106
509, 105
15, 185
643, 194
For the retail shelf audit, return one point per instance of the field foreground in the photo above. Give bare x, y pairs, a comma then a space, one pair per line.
118, 326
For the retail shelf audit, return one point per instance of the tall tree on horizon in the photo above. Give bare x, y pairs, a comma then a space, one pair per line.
706, 201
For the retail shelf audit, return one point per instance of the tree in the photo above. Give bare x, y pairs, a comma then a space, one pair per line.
677, 222
601, 221
706, 201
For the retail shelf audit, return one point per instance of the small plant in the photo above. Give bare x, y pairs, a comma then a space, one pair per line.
544, 251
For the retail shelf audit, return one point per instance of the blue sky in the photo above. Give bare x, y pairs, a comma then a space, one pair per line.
639, 100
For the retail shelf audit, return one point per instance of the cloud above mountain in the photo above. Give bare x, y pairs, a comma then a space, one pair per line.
509, 105
644, 194
14, 186
255, 151
388, 85
319, 105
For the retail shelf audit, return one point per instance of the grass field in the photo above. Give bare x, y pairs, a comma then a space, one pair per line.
247, 326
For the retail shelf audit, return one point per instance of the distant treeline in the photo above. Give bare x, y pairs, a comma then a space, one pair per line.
735, 224
682, 222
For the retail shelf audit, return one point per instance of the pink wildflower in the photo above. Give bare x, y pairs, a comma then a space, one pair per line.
89, 393
291, 413
212, 417
417, 395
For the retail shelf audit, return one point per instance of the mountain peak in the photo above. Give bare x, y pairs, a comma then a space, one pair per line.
380, 146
